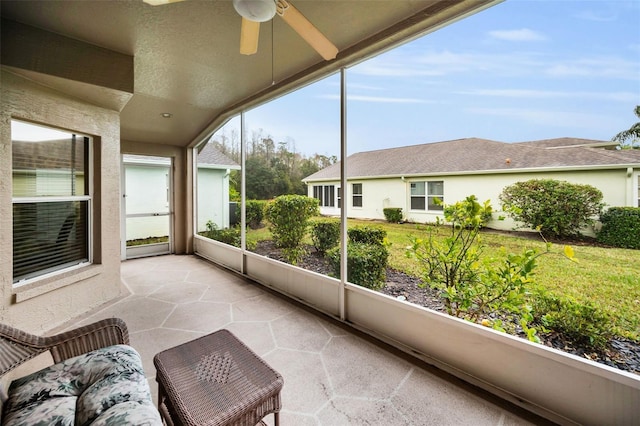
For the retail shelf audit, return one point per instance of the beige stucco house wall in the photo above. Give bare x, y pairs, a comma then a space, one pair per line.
480, 167
618, 185
44, 303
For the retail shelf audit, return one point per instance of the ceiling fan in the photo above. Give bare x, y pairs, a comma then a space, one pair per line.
255, 11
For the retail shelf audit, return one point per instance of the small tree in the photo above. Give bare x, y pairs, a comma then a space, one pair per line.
452, 264
555, 208
288, 217
474, 288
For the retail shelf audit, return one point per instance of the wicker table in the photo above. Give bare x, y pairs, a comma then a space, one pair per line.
216, 380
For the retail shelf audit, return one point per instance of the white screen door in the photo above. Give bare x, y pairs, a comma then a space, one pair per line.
147, 206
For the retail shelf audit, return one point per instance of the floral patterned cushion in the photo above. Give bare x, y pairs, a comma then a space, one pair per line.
103, 387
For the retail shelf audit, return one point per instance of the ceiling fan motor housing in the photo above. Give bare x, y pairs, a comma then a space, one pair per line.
255, 10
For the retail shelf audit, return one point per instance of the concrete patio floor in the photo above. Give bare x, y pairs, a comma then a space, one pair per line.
332, 374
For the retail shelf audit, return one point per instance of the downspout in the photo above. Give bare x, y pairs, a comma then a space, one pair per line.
343, 184
630, 199
406, 198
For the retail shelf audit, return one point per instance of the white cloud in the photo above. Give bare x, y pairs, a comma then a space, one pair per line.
445, 62
635, 47
548, 118
523, 34
591, 15
436, 64
604, 67
378, 99
550, 94
359, 86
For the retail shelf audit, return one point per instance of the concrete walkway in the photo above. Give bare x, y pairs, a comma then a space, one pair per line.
332, 375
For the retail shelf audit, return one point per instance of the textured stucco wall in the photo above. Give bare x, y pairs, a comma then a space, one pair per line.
47, 303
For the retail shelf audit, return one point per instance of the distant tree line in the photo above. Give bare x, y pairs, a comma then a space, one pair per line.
272, 168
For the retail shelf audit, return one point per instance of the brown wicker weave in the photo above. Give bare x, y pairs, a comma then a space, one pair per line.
216, 380
17, 346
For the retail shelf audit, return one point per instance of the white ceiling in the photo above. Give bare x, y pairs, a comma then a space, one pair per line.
186, 58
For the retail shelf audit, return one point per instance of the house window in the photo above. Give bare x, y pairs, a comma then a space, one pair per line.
325, 195
317, 193
424, 195
329, 196
339, 197
357, 195
51, 200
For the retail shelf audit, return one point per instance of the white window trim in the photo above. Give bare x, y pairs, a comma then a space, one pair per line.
361, 195
426, 195
45, 278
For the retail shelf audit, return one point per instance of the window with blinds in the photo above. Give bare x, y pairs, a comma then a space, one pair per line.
325, 194
427, 195
51, 200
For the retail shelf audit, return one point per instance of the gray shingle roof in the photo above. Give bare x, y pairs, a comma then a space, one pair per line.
473, 155
210, 155
566, 142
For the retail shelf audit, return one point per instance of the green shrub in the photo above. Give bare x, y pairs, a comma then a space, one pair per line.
366, 264
229, 236
583, 322
366, 234
254, 211
620, 227
393, 214
556, 208
325, 234
367, 256
288, 216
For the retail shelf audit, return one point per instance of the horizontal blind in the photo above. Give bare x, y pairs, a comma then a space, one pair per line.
51, 201
48, 236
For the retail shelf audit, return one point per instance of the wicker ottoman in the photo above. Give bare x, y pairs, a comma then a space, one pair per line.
216, 380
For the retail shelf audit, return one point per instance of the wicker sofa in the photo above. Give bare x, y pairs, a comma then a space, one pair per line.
96, 378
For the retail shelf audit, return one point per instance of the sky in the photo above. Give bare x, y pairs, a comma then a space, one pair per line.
519, 71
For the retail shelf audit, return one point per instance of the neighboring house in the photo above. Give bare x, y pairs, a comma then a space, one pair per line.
412, 177
213, 191
214, 169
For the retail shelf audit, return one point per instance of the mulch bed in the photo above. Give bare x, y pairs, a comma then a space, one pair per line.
620, 353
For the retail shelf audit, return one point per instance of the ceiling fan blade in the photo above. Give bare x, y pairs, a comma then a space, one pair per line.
306, 30
249, 33
160, 2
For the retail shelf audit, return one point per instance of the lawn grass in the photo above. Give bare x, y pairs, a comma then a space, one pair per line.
607, 277
148, 240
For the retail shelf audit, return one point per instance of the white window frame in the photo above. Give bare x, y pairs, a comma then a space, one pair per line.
355, 195
325, 194
89, 174
426, 196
